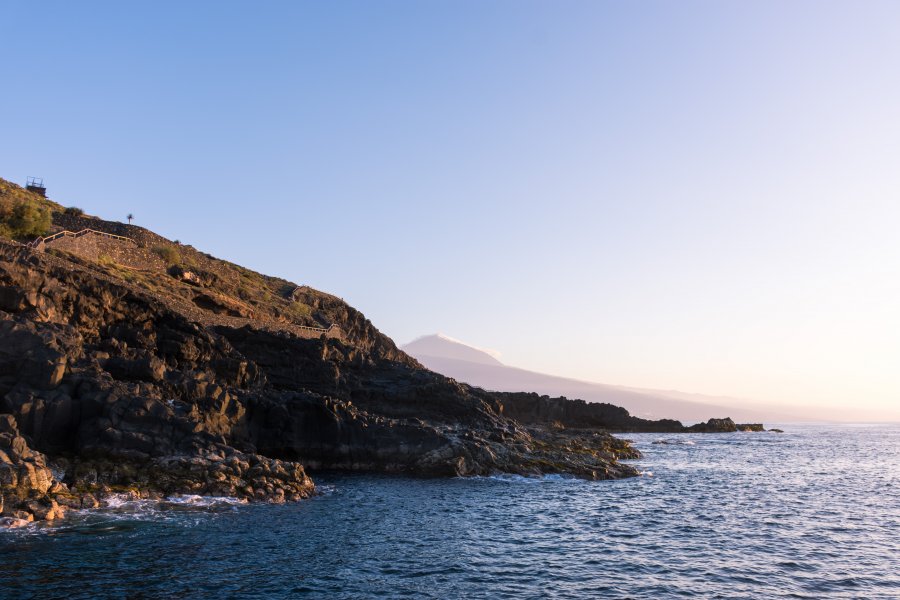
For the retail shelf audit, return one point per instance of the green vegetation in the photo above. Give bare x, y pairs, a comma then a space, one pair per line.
23, 214
299, 310
59, 253
169, 254
127, 274
23, 219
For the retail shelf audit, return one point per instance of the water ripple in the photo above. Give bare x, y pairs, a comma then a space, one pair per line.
811, 513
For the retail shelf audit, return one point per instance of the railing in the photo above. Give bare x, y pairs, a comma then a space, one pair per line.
317, 329
306, 327
67, 233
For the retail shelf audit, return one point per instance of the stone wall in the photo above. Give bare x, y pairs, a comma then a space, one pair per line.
314, 334
99, 248
141, 236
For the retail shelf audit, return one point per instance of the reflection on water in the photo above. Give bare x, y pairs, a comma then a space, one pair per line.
810, 513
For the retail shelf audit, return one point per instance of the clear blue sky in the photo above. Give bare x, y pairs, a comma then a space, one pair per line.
691, 195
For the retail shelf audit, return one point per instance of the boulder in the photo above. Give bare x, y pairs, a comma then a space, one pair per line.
13, 523
25, 479
178, 272
45, 509
222, 305
148, 368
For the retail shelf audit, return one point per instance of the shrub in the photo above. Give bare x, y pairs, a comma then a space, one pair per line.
24, 219
299, 310
74, 211
105, 259
169, 254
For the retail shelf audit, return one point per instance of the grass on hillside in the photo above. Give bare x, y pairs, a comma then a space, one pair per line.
25, 215
169, 254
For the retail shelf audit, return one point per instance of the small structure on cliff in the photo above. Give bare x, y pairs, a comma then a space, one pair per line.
36, 185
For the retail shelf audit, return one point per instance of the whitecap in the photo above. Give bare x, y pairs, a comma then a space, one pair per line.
324, 489
203, 501
511, 478
119, 501
558, 477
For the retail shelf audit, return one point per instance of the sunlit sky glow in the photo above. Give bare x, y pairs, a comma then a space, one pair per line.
691, 195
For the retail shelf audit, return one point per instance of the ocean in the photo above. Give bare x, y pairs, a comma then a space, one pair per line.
810, 513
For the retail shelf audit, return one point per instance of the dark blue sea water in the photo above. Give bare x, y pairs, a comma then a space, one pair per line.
811, 513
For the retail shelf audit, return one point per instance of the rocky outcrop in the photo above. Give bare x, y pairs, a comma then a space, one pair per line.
26, 483
532, 408
724, 426
222, 305
123, 392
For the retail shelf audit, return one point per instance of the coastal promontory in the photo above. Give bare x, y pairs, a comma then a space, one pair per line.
136, 365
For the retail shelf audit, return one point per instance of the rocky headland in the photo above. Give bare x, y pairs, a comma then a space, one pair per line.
145, 367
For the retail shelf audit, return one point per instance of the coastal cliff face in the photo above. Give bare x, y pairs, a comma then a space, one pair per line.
106, 388
181, 373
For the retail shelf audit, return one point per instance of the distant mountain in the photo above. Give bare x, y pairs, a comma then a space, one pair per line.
471, 365
439, 345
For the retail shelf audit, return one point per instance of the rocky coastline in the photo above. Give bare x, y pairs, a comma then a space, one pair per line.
118, 380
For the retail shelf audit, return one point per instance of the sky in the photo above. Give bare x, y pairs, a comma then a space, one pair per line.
702, 196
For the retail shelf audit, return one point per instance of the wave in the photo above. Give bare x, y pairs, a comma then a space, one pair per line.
665, 442
122, 510
325, 489
204, 501
123, 500
515, 478
130, 502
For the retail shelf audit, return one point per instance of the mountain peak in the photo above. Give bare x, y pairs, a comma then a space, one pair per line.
443, 346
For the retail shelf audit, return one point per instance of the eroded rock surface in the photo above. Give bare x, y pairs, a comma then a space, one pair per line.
124, 392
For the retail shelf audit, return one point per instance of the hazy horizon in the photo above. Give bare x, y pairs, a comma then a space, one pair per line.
452, 362
610, 192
